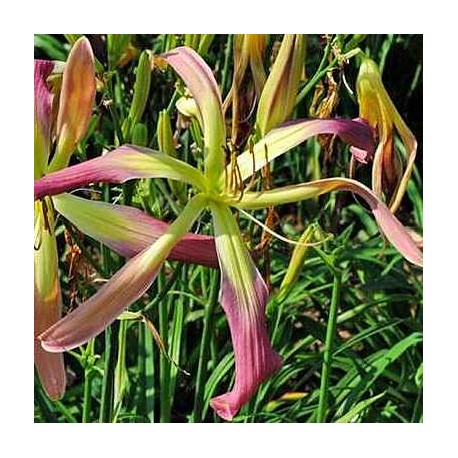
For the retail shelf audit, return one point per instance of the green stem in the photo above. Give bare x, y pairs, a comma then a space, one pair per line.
87, 394
111, 344
175, 344
204, 348
121, 370
311, 84
162, 293
321, 71
145, 406
328, 348
113, 112
111, 341
164, 364
88, 376
227, 57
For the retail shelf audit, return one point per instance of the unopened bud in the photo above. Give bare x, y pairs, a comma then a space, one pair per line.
278, 97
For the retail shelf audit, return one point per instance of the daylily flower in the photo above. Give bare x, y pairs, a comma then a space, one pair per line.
74, 110
124, 229
375, 105
243, 293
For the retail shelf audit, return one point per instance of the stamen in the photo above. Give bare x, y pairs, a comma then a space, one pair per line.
253, 163
240, 187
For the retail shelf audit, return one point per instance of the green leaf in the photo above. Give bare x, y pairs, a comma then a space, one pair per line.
51, 46
360, 407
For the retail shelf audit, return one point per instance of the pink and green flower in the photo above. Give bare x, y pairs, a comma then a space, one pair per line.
218, 188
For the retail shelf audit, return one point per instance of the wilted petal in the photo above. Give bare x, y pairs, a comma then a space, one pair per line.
243, 297
390, 226
255, 46
124, 163
124, 288
354, 132
75, 102
47, 304
249, 50
128, 230
199, 78
389, 175
42, 115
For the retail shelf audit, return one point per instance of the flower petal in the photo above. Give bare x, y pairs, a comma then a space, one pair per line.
128, 230
278, 141
42, 115
75, 102
124, 288
243, 297
378, 109
124, 163
47, 304
199, 78
395, 232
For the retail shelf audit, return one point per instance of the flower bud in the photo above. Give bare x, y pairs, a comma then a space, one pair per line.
76, 101
141, 92
116, 45
307, 239
140, 134
167, 146
278, 97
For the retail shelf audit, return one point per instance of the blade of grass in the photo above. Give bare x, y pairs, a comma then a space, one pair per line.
145, 404
358, 408
88, 362
197, 412
164, 363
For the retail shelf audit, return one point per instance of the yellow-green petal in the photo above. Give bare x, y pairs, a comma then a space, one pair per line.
47, 301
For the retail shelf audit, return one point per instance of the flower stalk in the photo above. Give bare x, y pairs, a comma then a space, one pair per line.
331, 329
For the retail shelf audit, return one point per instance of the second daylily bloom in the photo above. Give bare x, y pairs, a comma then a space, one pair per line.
243, 294
74, 110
